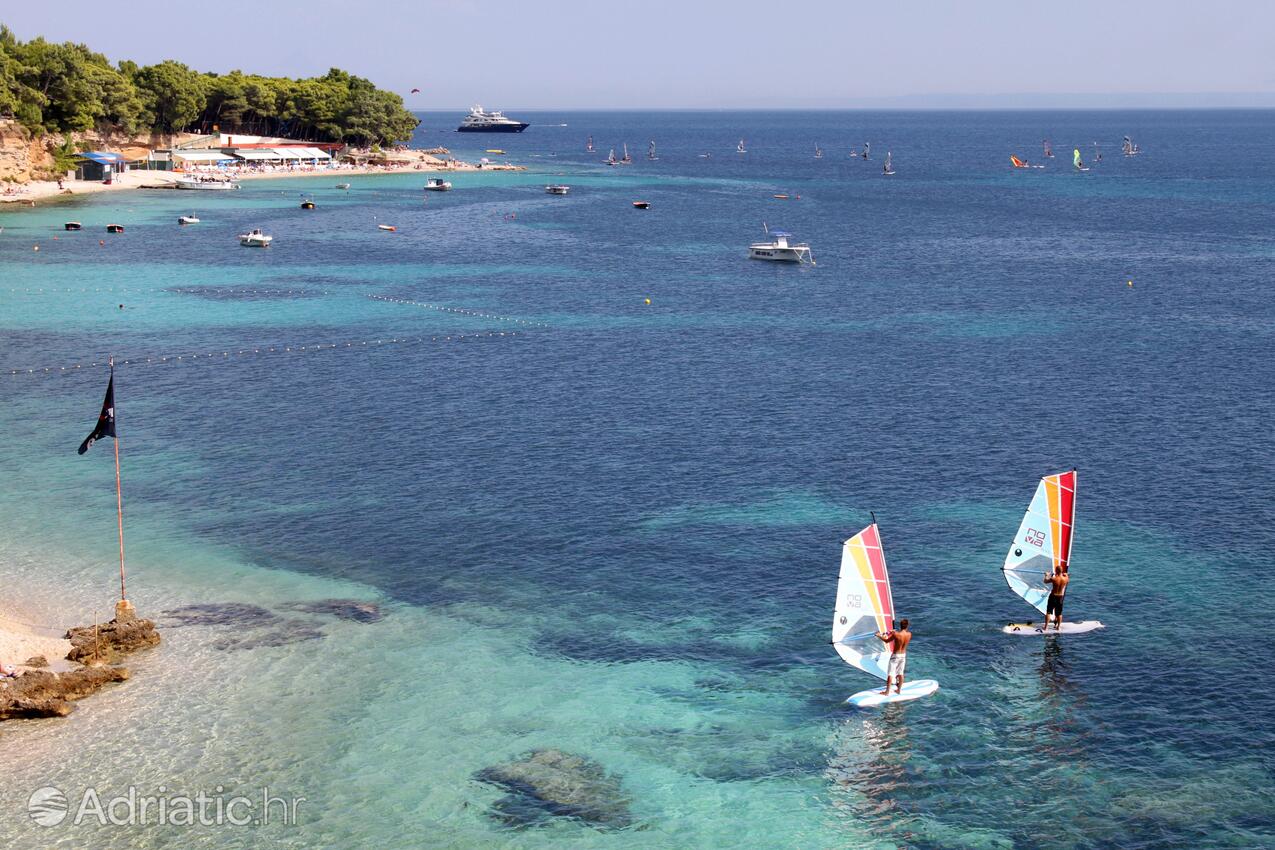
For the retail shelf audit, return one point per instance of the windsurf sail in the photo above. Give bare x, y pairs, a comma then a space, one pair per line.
1044, 538
889, 163
864, 605
1018, 163
1049, 149
650, 150
740, 147
589, 145
1075, 158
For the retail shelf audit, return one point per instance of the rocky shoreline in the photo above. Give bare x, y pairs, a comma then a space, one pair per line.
97, 650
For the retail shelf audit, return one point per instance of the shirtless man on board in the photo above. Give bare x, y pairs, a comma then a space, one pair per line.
897, 639
1057, 589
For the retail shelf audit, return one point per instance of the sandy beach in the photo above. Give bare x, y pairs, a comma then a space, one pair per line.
28, 194
21, 640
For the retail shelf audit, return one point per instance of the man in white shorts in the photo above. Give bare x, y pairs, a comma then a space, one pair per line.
897, 639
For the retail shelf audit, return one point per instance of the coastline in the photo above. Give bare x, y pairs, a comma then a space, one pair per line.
21, 640
42, 190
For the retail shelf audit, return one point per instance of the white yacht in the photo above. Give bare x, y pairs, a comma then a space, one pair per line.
255, 239
478, 121
187, 219
206, 184
779, 250
557, 189
438, 184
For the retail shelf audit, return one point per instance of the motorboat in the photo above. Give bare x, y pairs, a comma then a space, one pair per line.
72, 225
438, 184
255, 239
307, 204
478, 121
343, 185
187, 219
388, 227
557, 189
642, 205
779, 250
114, 228
205, 184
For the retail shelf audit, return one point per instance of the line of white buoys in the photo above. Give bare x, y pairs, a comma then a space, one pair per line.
263, 350
460, 310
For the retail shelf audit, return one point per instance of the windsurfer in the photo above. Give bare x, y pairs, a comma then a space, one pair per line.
898, 640
1057, 588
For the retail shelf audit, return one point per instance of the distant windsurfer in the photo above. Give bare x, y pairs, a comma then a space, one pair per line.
898, 640
1057, 588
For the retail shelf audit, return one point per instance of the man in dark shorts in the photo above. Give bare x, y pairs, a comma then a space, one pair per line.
897, 639
1057, 588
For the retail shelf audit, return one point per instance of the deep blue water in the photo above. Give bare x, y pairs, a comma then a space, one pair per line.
614, 485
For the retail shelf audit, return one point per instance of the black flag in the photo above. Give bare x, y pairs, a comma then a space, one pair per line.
105, 420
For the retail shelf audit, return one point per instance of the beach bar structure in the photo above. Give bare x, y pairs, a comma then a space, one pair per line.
100, 165
218, 150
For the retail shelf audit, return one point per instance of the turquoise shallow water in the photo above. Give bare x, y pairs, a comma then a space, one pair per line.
613, 528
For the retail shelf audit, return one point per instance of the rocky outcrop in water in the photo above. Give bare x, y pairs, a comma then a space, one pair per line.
551, 782
110, 642
41, 694
342, 609
252, 626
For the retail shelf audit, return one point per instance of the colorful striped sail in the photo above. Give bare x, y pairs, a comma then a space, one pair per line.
1044, 538
1075, 158
1018, 163
864, 605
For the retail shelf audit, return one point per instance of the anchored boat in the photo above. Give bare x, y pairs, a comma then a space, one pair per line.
438, 184
255, 239
779, 250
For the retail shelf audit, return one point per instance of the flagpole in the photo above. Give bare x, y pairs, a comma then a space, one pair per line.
119, 499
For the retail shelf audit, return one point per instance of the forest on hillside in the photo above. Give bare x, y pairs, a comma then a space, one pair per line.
64, 88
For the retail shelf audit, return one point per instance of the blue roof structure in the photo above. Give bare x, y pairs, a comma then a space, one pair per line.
104, 157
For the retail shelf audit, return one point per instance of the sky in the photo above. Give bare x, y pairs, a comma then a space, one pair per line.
710, 54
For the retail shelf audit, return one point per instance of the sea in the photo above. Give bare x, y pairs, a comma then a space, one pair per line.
590, 469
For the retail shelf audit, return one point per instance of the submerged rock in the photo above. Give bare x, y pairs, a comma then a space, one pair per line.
111, 641
342, 609
288, 632
223, 614
36, 661
40, 694
551, 782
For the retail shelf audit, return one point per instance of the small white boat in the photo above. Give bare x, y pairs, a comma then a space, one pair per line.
557, 189
389, 227
343, 185
206, 184
438, 184
187, 219
255, 239
778, 250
